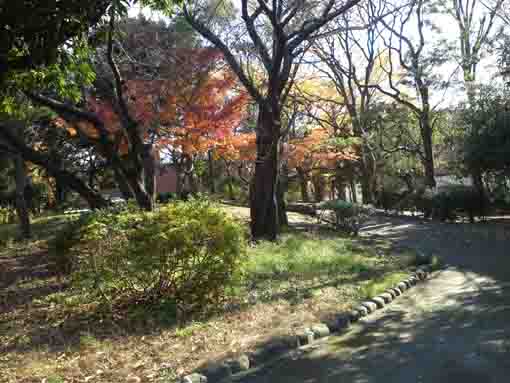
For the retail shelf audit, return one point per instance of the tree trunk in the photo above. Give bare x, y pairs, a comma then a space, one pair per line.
138, 178
341, 191
212, 186
318, 187
60, 192
367, 180
122, 184
230, 187
263, 197
303, 183
354, 197
57, 162
283, 184
428, 156
21, 203
136, 182
149, 166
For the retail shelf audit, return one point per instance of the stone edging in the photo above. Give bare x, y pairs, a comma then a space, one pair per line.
224, 371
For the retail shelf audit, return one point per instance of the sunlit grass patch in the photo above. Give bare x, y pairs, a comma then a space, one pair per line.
307, 256
371, 288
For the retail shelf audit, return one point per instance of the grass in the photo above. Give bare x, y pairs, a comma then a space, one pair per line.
371, 288
49, 331
320, 267
299, 255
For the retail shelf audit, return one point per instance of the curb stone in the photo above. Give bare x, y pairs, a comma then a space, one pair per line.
379, 302
223, 372
320, 330
194, 378
387, 297
370, 306
354, 315
362, 311
305, 336
402, 286
340, 323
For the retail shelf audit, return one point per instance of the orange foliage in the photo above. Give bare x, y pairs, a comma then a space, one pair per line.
194, 109
210, 114
313, 151
237, 147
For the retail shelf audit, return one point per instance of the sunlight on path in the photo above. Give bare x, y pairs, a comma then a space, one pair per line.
453, 328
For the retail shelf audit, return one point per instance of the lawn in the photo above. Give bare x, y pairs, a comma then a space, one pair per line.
47, 331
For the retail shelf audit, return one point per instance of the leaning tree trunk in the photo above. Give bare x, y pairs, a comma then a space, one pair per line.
428, 156
21, 203
138, 172
122, 184
136, 182
8, 131
263, 196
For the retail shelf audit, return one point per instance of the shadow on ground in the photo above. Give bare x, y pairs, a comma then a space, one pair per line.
453, 328
458, 334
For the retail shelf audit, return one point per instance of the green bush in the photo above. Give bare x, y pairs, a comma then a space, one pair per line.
185, 252
444, 203
348, 216
7, 215
387, 200
166, 197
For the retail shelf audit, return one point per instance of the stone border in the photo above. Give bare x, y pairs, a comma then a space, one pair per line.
224, 371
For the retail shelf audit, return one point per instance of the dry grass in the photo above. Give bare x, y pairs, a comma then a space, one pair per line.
48, 332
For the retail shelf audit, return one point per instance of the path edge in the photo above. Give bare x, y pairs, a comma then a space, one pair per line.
232, 369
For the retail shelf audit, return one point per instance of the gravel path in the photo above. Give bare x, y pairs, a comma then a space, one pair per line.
453, 328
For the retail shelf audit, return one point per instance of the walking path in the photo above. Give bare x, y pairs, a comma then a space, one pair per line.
453, 328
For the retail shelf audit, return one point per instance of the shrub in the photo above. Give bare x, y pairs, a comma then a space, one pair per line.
166, 197
186, 252
388, 200
444, 203
7, 215
348, 216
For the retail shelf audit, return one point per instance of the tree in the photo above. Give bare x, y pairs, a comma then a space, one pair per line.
487, 146
20, 181
207, 109
474, 36
352, 61
320, 151
279, 34
476, 21
136, 164
28, 42
411, 56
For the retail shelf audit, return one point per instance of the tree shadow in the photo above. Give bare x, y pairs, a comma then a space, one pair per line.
480, 247
429, 336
